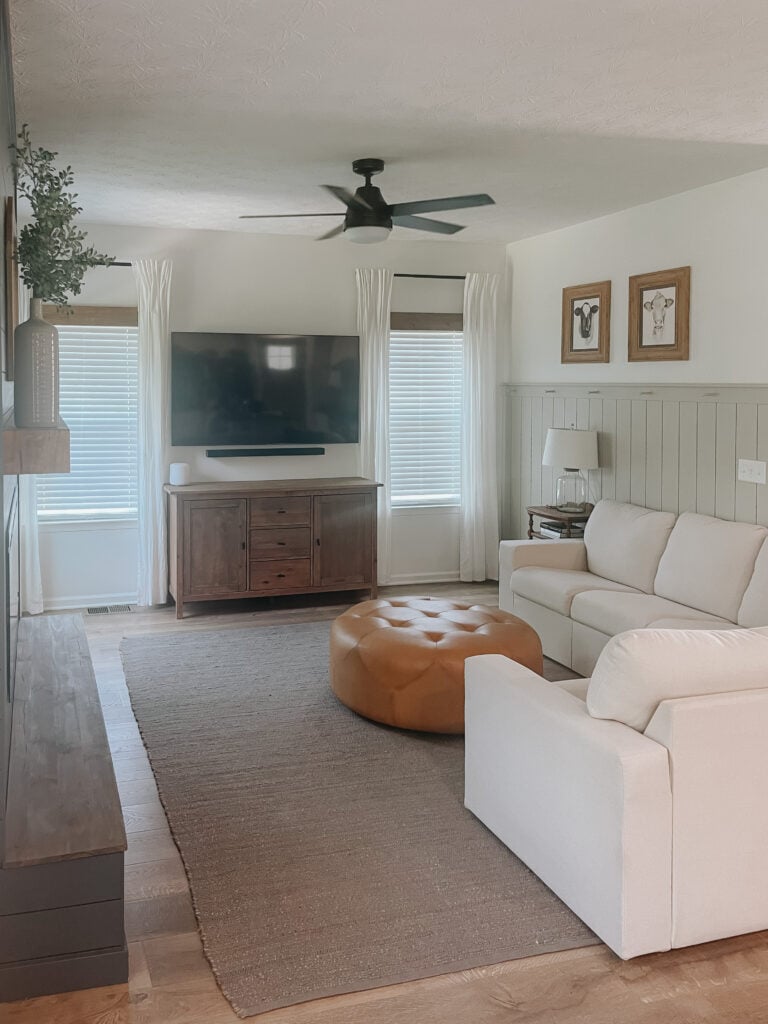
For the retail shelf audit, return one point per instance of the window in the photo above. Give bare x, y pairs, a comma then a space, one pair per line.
99, 391
425, 384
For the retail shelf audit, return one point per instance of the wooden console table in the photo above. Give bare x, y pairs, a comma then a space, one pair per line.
270, 537
550, 512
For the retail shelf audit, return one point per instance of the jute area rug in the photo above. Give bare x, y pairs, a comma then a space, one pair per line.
325, 854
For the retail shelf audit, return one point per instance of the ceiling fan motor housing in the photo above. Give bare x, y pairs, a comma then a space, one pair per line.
376, 213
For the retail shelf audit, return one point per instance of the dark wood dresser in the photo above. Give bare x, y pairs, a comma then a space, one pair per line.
270, 537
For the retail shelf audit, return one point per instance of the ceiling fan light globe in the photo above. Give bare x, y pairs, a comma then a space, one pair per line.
366, 234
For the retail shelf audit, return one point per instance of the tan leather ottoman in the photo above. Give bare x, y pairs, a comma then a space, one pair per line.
401, 662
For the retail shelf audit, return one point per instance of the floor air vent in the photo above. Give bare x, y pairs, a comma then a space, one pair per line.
105, 609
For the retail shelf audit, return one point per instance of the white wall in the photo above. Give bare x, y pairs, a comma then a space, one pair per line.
719, 230
226, 281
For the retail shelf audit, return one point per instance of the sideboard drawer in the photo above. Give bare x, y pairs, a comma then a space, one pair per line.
272, 542
288, 511
285, 575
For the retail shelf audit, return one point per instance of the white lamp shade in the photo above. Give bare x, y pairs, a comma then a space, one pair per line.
571, 449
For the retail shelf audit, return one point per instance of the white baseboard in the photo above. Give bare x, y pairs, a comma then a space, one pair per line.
407, 578
63, 604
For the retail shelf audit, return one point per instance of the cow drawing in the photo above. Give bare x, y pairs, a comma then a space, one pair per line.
657, 307
584, 313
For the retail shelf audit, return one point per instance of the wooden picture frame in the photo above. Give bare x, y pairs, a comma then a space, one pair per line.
11, 283
586, 324
653, 334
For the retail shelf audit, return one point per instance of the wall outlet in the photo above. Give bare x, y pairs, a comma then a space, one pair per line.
751, 472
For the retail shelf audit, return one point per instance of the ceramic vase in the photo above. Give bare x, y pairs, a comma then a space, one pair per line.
36, 371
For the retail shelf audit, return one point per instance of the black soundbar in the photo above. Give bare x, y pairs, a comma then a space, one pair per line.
243, 453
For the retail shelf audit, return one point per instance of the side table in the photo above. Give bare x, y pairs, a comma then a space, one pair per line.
550, 512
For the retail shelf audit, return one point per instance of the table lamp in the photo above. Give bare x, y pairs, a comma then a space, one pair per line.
571, 450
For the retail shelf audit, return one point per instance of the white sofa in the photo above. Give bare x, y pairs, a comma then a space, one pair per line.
635, 568
638, 796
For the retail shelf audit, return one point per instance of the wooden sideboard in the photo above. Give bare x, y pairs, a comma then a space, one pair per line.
270, 537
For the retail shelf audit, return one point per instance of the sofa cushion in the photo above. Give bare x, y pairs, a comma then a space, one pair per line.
555, 588
625, 542
754, 605
708, 563
612, 613
639, 669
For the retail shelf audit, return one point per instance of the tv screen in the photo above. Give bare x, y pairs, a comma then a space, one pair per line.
243, 389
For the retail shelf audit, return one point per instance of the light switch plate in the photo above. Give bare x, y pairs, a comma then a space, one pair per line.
751, 472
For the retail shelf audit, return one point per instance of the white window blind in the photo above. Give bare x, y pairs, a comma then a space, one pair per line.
425, 383
99, 400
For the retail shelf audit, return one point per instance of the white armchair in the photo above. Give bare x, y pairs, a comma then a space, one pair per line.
652, 827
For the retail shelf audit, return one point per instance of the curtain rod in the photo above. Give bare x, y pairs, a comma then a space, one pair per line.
430, 277
436, 277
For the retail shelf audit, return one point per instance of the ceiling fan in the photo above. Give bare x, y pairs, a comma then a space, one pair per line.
369, 218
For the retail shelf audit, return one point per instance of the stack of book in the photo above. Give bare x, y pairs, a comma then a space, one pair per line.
558, 530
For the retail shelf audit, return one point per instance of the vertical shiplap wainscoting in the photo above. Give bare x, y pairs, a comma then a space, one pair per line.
670, 447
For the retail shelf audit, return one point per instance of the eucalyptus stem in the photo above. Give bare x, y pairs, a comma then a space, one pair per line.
51, 250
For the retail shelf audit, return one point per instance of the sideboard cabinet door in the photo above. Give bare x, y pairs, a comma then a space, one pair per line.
214, 549
343, 539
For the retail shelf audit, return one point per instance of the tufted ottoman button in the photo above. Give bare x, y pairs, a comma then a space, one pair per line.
412, 676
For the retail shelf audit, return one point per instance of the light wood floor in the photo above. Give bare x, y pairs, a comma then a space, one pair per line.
171, 983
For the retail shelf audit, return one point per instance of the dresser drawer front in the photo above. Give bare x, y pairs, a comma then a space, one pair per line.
276, 575
289, 511
294, 542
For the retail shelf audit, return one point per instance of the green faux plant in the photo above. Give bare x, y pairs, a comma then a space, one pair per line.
51, 250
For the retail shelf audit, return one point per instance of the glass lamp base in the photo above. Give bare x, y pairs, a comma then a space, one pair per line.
571, 492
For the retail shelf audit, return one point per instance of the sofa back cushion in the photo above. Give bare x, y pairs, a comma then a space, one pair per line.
708, 563
638, 669
625, 542
754, 605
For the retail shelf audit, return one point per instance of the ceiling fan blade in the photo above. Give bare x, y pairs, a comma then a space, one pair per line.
332, 233
449, 203
273, 216
346, 197
439, 227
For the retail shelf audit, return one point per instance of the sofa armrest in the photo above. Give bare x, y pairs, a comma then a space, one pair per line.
550, 554
586, 804
718, 763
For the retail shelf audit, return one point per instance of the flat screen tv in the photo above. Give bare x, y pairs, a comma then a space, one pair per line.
262, 389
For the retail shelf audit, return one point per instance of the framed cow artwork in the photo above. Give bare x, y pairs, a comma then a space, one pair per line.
659, 306
586, 329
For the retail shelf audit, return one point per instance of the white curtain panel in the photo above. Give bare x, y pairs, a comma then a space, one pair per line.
374, 294
30, 579
479, 538
153, 284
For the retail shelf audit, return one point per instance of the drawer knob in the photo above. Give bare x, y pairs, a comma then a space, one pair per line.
281, 543
281, 511
281, 575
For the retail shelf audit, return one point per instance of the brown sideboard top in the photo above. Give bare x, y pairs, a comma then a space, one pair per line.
327, 485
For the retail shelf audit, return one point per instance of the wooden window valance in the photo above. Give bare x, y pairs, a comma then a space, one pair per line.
92, 316
426, 321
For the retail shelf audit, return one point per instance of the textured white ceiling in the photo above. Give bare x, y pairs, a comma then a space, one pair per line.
186, 113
